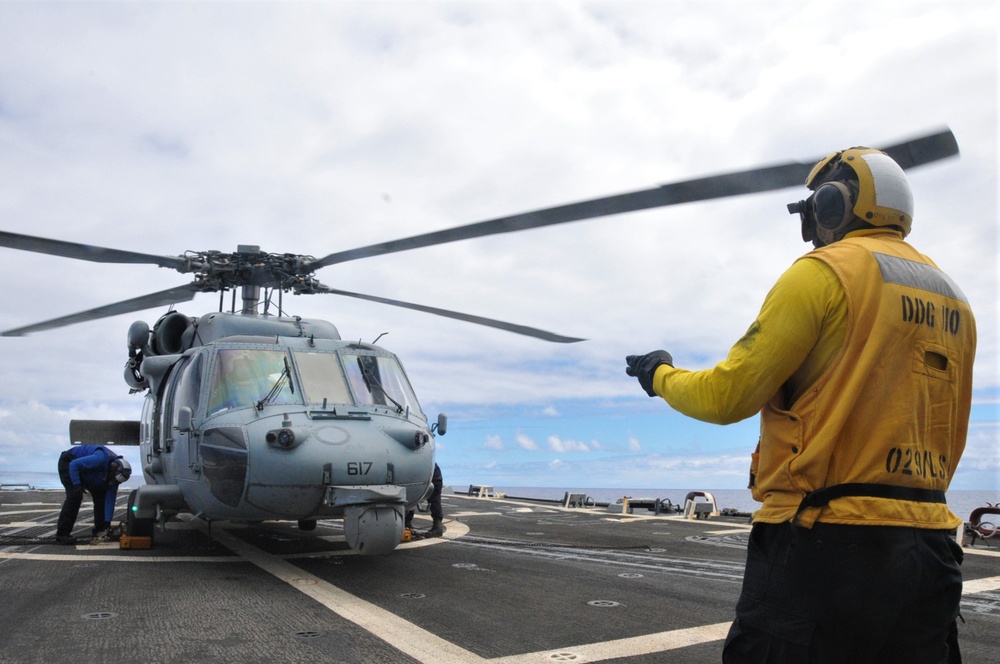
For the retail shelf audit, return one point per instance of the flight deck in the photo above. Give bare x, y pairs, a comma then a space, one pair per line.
511, 582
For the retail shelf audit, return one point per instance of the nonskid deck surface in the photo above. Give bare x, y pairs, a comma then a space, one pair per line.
511, 582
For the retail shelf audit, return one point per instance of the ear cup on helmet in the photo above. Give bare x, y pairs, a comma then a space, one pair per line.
833, 205
832, 210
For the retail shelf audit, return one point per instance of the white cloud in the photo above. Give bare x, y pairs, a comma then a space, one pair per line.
525, 442
493, 443
316, 127
557, 444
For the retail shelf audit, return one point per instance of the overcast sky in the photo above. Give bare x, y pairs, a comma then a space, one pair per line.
312, 128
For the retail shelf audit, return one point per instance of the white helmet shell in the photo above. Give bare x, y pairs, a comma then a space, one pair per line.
124, 470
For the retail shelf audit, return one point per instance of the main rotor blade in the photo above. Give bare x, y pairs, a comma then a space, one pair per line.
907, 154
162, 298
86, 252
478, 320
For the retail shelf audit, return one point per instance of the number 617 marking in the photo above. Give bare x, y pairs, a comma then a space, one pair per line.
358, 467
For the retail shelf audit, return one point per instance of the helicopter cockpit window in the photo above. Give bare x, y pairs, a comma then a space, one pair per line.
322, 378
379, 380
186, 388
245, 376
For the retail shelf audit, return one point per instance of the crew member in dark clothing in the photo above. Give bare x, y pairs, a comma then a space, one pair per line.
98, 470
434, 504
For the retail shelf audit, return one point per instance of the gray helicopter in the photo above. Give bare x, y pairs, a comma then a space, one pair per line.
253, 416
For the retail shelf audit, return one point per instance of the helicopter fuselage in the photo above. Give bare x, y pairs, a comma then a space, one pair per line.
261, 418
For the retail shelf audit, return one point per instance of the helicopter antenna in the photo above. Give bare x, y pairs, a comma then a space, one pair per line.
379, 337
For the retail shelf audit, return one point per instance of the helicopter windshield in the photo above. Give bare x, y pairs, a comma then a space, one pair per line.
379, 380
244, 376
322, 378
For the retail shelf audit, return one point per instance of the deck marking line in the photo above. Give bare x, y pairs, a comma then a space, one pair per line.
408, 638
12, 512
986, 585
461, 514
630, 647
83, 557
728, 531
25, 524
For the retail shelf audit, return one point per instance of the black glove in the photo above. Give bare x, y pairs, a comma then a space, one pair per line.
76, 491
644, 366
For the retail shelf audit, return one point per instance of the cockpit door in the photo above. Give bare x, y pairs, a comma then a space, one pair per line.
181, 410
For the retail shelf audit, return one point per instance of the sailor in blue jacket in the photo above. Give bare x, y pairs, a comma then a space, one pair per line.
98, 470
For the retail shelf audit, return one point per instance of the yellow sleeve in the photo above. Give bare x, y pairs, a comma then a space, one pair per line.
802, 319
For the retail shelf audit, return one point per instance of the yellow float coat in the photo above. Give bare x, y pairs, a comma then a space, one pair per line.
860, 364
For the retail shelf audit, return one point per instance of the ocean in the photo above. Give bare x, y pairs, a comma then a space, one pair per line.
962, 502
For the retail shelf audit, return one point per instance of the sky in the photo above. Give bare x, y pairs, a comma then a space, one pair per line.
318, 127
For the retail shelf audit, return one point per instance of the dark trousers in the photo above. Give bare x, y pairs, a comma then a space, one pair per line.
433, 504
834, 594
71, 505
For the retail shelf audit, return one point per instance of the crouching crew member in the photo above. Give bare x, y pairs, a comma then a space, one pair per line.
98, 470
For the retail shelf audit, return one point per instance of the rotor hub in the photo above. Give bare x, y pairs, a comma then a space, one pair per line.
218, 271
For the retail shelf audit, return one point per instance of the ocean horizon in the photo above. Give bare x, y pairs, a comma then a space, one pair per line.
961, 501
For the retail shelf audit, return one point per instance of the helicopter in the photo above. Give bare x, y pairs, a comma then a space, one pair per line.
250, 415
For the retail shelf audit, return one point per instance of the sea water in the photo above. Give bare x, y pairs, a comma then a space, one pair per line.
962, 502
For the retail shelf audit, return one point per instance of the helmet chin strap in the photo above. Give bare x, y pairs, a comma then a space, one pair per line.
817, 242
825, 236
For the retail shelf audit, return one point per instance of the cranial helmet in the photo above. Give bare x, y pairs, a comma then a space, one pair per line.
855, 188
124, 470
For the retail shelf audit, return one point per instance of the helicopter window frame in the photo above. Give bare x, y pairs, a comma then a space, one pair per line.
162, 435
322, 384
391, 378
185, 386
148, 440
256, 383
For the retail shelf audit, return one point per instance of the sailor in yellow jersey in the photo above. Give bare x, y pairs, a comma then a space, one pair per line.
860, 365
